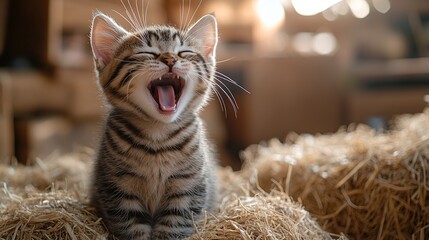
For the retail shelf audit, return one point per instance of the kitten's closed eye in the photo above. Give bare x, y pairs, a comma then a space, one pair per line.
182, 54
186, 53
148, 54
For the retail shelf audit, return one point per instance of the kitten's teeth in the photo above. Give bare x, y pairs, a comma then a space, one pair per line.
159, 78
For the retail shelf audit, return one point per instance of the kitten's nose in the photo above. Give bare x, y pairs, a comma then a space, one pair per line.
168, 59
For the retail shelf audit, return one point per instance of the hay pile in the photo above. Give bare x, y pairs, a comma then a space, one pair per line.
48, 200
262, 216
362, 183
56, 214
63, 170
31, 207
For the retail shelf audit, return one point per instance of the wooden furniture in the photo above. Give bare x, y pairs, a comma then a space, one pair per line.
386, 89
6, 119
295, 94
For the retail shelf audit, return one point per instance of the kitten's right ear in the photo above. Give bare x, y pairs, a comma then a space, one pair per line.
105, 37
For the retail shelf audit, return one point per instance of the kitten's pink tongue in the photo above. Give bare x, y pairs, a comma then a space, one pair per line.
166, 98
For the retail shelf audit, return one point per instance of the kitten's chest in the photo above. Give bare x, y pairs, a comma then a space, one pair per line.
152, 183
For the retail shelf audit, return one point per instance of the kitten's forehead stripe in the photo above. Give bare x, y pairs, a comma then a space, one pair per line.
149, 34
165, 35
153, 36
178, 36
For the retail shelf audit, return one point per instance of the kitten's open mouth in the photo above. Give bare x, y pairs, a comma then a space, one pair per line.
166, 91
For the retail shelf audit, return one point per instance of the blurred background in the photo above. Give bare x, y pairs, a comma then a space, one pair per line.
311, 66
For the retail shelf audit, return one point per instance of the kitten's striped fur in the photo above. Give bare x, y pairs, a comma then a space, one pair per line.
154, 174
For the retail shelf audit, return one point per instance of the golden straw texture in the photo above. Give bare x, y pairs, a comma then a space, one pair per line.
56, 214
60, 211
262, 216
365, 184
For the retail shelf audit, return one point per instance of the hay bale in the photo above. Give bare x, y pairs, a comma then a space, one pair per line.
365, 184
48, 200
262, 216
63, 170
57, 214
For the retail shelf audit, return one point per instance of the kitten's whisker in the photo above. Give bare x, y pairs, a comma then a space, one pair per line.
221, 101
129, 19
142, 13
181, 13
189, 10
229, 92
145, 14
139, 15
218, 95
126, 19
193, 15
233, 102
228, 79
217, 62
132, 21
137, 23
225, 60
133, 17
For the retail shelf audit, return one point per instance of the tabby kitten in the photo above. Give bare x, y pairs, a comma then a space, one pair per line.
154, 174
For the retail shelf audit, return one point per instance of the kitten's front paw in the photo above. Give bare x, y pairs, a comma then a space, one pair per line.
173, 233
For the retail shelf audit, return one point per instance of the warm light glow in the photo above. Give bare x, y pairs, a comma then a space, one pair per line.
312, 7
360, 8
324, 43
303, 42
271, 12
382, 6
341, 8
329, 15
307, 43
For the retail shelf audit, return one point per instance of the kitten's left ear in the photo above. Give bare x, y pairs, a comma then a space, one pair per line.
205, 30
105, 37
